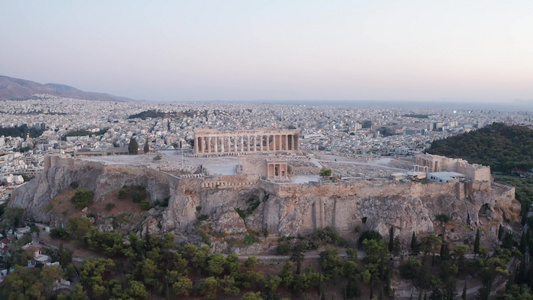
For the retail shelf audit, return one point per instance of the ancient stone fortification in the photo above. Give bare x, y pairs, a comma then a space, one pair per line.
436, 163
279, 209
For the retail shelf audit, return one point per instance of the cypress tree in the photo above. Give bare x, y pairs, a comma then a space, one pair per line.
133, 147
464, 292
391, 239
500, 232
146, 148
397, 247
476, 242
415, 248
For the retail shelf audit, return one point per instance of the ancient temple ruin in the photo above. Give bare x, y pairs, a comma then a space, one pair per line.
214, 142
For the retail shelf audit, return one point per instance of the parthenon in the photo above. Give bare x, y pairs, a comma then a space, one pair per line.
212, 141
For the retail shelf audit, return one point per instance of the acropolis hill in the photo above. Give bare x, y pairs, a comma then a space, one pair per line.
260, 183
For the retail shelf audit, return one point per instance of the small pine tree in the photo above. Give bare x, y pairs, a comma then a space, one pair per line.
477, 242
133, 147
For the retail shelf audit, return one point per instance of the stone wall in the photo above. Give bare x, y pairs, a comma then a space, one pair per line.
436, 163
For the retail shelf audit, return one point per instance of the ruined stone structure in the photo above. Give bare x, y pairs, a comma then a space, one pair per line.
214, 142
435, 163
277, 170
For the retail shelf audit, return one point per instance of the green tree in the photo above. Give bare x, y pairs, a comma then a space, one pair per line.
78, 227
209, 287
491, 267
13, 216
272, 283
78, 293
133, 147
183, 286
24, 283
137, 291
70, 272
430, 244
152, 274
250, 262
331, 263
376, 260
458, 255
298, 256
252, 296
352, 254
95, 275
82, 198
287, 274
325, 172
228, 285
51, 274
216, 264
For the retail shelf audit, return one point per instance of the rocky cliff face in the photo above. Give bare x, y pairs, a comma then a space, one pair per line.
225, 213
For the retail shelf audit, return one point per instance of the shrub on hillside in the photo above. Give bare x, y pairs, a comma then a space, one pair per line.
82, 198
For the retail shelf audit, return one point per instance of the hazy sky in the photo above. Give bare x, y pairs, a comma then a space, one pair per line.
430, 50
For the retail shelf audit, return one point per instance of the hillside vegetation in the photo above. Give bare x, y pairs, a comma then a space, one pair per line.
504, 148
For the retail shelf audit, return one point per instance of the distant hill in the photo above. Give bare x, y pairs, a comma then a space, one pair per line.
504, 148
20, 89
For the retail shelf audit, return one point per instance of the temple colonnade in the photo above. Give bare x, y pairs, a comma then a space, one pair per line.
211, 141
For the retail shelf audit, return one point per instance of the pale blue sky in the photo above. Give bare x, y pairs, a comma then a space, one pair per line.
273, 50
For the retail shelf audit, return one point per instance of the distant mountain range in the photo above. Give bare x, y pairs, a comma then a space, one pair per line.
20, 89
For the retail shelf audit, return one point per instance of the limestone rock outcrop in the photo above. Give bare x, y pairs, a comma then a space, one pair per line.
228, 211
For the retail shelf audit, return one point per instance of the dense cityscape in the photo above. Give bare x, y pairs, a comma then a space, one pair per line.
74, 126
